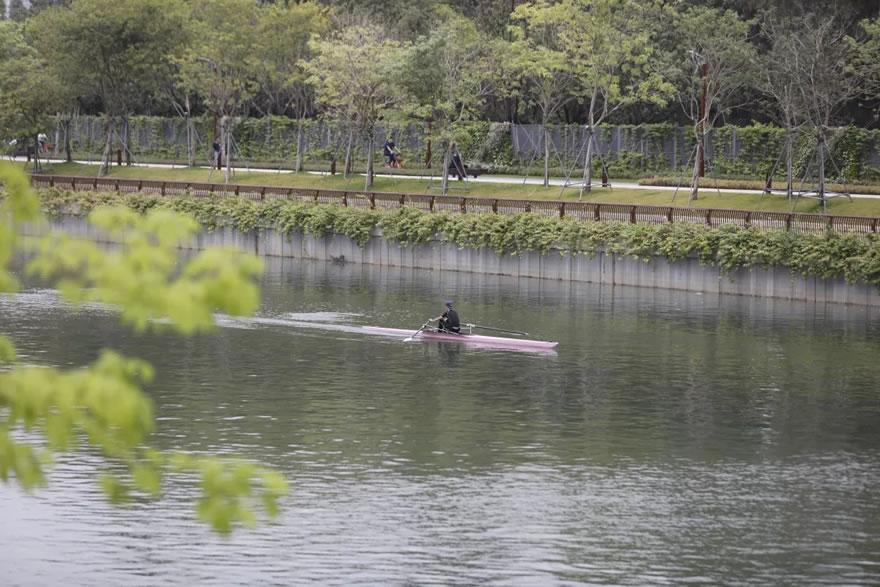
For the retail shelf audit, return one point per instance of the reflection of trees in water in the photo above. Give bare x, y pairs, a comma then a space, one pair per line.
442, 354
449, 352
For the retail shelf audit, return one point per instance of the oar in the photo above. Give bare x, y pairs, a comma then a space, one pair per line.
416, 333
514, 332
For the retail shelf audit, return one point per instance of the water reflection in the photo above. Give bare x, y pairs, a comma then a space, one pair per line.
675, 437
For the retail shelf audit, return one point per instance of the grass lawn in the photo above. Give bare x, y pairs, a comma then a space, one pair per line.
709, 198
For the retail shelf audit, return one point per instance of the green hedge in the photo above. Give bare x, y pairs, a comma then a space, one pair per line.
829, 255
272, 140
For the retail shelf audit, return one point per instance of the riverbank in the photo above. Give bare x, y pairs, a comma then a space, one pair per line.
608, 263
487, 187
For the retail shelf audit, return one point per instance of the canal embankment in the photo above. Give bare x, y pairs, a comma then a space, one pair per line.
437, 252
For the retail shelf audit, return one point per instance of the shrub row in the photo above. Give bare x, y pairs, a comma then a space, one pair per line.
635, 150
829, 255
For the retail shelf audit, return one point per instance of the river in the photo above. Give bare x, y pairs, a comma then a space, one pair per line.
673, 437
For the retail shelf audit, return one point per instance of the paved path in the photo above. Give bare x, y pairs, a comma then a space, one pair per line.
491, 179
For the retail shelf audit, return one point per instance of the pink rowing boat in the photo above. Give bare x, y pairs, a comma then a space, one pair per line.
475, 339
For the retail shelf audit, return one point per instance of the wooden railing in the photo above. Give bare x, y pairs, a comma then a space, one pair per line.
795, 222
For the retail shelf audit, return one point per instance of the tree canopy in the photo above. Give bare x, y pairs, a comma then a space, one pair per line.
116, 56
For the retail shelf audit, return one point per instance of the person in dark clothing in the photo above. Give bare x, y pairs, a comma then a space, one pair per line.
456, 166
217, 160
448, 321
390, 152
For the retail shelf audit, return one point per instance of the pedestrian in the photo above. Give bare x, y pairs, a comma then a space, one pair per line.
389, 149
217, 158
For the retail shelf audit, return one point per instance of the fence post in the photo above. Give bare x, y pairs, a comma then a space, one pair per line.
263, 194
95, 184
345, 199
748, 218
528, 206
402, 200
162, 189
289, 193
115, 183
495, 205
372, 201
632, 215
316, 195
562, 209
788, 222
431, 205
874, 226
596, 215
709, 217
237, 190
669, 215
140, 186
830, 223
52, 182
463, 205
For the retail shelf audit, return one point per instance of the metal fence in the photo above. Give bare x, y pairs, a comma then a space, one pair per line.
587, 211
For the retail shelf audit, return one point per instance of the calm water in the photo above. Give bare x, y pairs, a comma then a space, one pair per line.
673, 438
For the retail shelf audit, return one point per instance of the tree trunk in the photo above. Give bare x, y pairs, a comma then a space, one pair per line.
698, 166
822, 170
588, 163
67, 150
348, 146
190, 136
368, 183
227, 141
36, 153
126, 132
546, 155
444, 181
428, 154
57, 142
789, 166
300, 145
108, 143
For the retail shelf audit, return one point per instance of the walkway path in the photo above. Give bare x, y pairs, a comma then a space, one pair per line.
491, 179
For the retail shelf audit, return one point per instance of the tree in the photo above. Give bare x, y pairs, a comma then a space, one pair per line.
221, 62
352, 73
102, 405
865, 45
713, 63
828, 76
779, 80
608, 43
283, 34
540, 60
446, 77
17, 10
115, 50
27, 90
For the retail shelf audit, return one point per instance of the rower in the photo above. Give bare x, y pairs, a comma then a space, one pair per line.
448, 321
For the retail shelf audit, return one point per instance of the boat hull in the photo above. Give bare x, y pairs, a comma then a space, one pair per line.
475, 339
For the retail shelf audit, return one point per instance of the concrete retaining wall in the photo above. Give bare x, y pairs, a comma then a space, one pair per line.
686, 274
